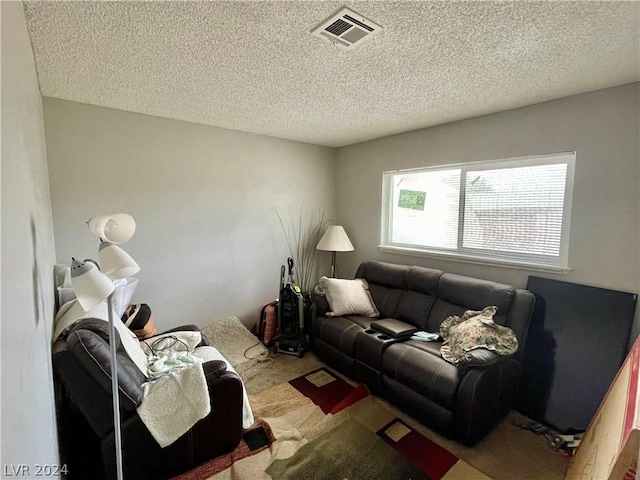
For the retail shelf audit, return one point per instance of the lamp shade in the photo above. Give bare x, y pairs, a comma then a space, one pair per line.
115, 262
335, 239
90, 284
113, 228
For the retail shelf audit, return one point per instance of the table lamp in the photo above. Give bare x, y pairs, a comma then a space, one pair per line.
334, 240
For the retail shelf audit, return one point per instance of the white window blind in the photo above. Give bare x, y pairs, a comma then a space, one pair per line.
514, 211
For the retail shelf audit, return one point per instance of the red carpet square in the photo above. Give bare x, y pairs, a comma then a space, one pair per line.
324, 388
428, 456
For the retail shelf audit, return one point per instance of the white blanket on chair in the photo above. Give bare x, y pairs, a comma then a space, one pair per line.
174, 402
211, 353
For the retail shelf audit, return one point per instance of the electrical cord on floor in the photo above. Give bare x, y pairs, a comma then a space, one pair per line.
555, 441
249, 348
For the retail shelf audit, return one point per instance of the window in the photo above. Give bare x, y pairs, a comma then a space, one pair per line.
512, 212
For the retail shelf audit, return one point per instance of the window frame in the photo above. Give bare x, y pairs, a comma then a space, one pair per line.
546, 263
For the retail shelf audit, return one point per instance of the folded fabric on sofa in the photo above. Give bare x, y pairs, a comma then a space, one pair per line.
425, 336
475, 330
170, 362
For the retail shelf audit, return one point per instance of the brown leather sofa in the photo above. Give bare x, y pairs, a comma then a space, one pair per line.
463, 402
82, 365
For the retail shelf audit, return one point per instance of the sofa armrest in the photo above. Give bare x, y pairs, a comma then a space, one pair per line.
214, 368
481, 357
484, 396
520, 314
322, 305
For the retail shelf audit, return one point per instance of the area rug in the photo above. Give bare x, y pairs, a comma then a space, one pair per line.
348, 451
253, 441
244, 351
355, 444
336, 430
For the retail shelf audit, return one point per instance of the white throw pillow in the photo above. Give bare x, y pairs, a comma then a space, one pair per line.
348, 297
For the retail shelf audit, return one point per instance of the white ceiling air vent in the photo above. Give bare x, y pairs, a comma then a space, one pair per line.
346, 28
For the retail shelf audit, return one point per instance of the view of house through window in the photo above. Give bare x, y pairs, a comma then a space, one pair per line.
514, 211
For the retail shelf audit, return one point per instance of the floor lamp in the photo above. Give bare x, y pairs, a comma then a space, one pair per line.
334, 240
93, 283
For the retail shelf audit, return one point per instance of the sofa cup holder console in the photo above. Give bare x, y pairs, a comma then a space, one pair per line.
370, 344
378, 335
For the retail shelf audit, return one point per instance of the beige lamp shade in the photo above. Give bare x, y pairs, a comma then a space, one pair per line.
335, 239
115, 262
113, 228
90, 284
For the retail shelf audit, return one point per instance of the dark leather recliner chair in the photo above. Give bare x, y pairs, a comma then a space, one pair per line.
464, 402
82, 369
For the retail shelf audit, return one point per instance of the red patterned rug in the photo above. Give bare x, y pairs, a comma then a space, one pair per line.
320, 426
428, 456
332, 394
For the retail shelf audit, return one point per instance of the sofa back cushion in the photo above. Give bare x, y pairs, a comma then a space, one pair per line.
457, 293
402, 292
425, 297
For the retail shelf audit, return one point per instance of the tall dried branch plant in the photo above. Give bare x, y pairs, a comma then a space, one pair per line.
302, 232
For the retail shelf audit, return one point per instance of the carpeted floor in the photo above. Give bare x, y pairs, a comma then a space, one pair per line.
359, 438
348, 450
507, 453
295, 421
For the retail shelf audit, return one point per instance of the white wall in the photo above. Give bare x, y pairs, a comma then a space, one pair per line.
28, 416
205, 199
603, 127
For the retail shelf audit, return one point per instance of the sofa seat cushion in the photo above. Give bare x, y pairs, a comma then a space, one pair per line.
419, 366
340, 332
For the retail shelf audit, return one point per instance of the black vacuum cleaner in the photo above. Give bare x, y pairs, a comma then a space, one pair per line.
290, 316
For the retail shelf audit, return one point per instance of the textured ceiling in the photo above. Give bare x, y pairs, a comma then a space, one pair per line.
255, 67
